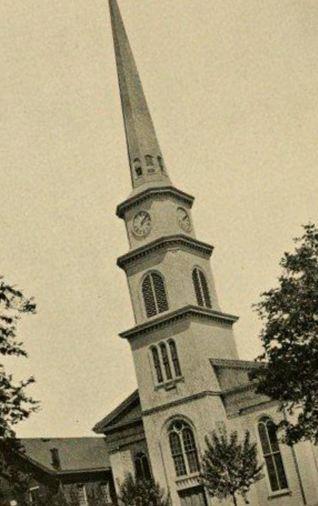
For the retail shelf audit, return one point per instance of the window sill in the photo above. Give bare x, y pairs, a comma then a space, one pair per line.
188, 481
279, 493
170, 385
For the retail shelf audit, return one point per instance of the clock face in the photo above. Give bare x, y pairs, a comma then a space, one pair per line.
142, 224
184, 219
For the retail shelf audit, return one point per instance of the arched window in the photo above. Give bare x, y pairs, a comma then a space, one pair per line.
157, 365
137, 167
272, 455
175, 358
149, 160
142, 468
201, 288
183, 448
154, 294
165, 361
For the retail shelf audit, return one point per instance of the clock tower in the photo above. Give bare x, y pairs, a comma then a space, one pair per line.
179, 325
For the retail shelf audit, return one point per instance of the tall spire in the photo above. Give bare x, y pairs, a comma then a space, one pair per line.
145, 158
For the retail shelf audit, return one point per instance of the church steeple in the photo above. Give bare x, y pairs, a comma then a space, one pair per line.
145, 158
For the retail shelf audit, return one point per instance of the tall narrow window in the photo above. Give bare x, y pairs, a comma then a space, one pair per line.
201, 288
154, 294
183, 448
272, 455
175, 358
165, 360
137, 167
160, 162
142, 468
157, 365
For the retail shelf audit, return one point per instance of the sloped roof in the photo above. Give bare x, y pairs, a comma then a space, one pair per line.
75, 454
236, 364
128, 411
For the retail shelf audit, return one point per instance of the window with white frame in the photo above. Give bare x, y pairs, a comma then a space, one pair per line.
272, 455
201, 288
34, 495
154, 294
165, 361
183, 448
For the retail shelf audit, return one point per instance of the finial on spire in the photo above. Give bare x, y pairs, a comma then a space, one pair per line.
145, 158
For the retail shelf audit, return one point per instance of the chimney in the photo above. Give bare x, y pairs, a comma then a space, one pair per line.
56, 463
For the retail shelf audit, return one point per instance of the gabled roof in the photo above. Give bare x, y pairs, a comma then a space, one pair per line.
75, 454
128, 412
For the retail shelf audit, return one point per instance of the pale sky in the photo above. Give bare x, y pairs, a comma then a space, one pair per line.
232, 88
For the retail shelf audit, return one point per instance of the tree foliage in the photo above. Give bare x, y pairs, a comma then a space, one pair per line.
138, 492
15, 404
229, 466
290, 340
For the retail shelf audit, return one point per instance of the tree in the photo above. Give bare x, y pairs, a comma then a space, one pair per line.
140, 492
15, 404
230, 467
290, 340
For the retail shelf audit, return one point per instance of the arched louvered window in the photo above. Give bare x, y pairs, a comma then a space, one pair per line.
142, 468
174, 357
183, 448
157, 365
165, 361
272, 455
201, 288
154, 294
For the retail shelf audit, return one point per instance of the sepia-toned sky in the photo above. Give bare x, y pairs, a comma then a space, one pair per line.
232, 88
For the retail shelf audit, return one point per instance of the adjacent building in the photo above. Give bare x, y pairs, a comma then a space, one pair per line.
76, 468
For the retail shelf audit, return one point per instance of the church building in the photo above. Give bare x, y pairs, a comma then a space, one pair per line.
190, 377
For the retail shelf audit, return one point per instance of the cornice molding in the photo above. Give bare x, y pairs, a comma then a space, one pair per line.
171, 241
180, 314
227, 363
183, 400
150, 192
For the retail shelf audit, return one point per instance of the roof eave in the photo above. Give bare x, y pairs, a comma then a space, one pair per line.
147, 193
172, 316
